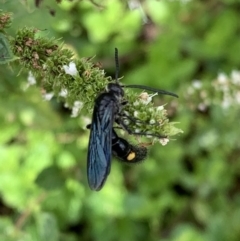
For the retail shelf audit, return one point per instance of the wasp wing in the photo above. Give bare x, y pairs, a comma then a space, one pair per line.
100, 145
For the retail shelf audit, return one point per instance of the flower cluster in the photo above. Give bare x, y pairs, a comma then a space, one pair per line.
5, 20
142, 116
77, 83
229, 87
224, 91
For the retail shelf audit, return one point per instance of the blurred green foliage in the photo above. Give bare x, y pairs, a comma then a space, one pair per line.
187, 190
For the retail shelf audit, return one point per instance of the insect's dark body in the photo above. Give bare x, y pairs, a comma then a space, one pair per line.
126, 152
106, 109
104, 141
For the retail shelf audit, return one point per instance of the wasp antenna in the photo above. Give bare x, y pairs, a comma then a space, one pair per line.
143, 87
117, 64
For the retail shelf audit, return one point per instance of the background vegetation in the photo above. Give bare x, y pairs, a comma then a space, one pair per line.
187, 190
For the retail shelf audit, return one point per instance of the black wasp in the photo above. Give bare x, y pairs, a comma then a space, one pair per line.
104, 141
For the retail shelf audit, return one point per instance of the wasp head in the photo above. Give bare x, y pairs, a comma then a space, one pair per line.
115, 89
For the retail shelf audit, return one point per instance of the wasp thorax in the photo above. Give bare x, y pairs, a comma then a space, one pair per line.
115, 89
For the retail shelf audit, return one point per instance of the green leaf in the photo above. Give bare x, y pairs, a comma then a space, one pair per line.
47, 227
50, 178
5, 51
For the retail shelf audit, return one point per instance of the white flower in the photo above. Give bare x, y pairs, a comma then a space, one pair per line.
222, 78
70, 69
152, 121
136, 113
48, 96
237, 97
31, 79
160, 108
196, 84
77, 106
145, 98
149, 135
151, 109
63, 93
126, 122
137, 130
136, 103
235, 77
164, 141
